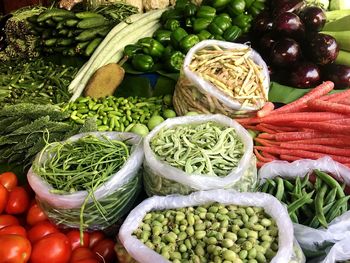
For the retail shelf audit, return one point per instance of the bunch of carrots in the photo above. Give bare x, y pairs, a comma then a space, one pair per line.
315, 125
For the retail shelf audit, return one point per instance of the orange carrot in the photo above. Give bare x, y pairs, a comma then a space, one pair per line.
339, 96
269, 155
266, 142
301, 116
323, 126
289, 158
337, 141
266, 109
280, 128
317, 148
328, 106
261, 158
340, 121
264, 129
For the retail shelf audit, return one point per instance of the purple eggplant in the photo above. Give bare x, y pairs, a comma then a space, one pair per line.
289, 25
322, 49
305, 75
285, 52
293, 6
314, 18
339, 74
262, 24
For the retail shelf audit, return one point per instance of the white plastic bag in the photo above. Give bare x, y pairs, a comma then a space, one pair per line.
193, 93
160, 178
339, 252
124, 185
310, 239
143, 254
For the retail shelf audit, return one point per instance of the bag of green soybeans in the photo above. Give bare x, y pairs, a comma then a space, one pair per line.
202, 152
215, 225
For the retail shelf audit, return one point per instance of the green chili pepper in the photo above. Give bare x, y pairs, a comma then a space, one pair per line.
200, 24
171, 24
177, 35
163, 36
153, 48
232, 33
188, 41
236, 7
142, 62
243, 21
204, 34
174, 61
190, 10
219, 25
219, 3
131, 50
206, 11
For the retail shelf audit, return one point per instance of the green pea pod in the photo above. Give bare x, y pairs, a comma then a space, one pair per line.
330, 181
200, 24
177, 35
163, 36
330, 196
280, 188
319, 201
236, 7
288, 185
206, 11
188, 42
153, 48
232, 33
171, 24
131, 50
306, 199
142, 62
174, 61
203, 35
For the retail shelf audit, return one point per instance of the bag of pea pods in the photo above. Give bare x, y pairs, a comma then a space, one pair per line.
314, 240
202, 152
96, 208
214, 225
222, 77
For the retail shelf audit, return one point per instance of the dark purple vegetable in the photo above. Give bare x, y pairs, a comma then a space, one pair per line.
265, 45
262, 24
285, 52
288, 6
339, 74
289, 24
314, 18
323, 49
305, 75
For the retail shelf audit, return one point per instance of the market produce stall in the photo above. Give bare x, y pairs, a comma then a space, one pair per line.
175, 131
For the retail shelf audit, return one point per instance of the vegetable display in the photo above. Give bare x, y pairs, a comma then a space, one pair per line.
208, 148
214, 232
314, 205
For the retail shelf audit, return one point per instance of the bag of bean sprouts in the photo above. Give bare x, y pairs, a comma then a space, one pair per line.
203, 152
210, 226
222, 77
90, 180
319, 190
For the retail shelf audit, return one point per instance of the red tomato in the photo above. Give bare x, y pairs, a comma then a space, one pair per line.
95, 237
14, 229
35, 215
41, 230
53, 248
105, 249
87, 260
14, 249
82, 253
74, 238
9, 180
18, 201
4, 195
8, 220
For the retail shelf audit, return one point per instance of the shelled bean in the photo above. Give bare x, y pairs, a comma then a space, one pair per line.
211, 233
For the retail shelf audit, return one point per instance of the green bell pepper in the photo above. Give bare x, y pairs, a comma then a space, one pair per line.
144, 40
200, 24
218, 37
171, 24
153, 48
203, 35
171, 14
177, 35
142, 62
181, 4
174, 61
232, 33
188, 41
227, 16
248, 3
206, 11
256, 8
236, 7
190, 10
189, 22
168, 51
243, 21
217, 4
219, 25
131, 50
163, 36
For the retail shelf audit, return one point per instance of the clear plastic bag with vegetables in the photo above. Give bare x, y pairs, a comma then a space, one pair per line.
221, 77
200, 152
92, 189
330, 200
199, 213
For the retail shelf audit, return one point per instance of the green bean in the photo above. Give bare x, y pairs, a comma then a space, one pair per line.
319, 201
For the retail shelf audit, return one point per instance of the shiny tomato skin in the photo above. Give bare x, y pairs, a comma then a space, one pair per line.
14, 229
41, 230
9, 180
81, 253
35, 214
4, 196
53, 248
8, 220
74, 238
14, 249
95, 237
105, 249
87, 260
18, 201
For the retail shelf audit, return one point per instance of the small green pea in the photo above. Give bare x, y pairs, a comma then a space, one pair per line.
243, 254
229, 255
200, 234
227, 243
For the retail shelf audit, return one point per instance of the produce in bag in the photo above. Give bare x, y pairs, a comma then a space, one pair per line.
314, 240
103, 180
192, 238
203, 152
222, 77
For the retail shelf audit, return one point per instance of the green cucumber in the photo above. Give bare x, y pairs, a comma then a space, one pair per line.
50, 42
88, 14
89, 34
64, 42
63, 32
92, 22
71, 22
92, 46
50, 23
81, 46
54, 12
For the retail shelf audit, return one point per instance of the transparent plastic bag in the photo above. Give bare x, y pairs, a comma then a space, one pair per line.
313, 240
288, 248
160, 178
123, 186
193, 93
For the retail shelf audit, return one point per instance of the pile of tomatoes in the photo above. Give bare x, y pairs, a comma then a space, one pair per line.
26, 234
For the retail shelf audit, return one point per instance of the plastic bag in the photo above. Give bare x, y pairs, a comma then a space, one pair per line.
124, 186
143, 254
313, 240
193, 93
160, 178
